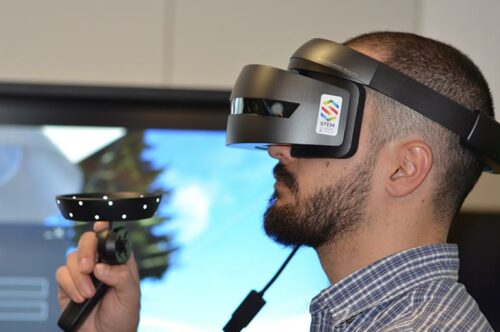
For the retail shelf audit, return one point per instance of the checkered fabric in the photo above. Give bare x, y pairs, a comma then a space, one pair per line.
414, 290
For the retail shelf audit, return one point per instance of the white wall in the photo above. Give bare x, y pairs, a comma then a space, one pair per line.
177, 43
195, 43
91, 41
214, 39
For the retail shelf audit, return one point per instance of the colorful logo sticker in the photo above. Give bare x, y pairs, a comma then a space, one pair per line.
330, 109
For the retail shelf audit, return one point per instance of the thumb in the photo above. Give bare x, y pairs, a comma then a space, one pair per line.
120, 277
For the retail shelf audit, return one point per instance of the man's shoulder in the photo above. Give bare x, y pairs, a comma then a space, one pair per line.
442, 305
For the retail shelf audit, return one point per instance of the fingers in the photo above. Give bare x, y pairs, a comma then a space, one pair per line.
132, 265
67, 288
74, 278
87, 247
81, 281
120, 277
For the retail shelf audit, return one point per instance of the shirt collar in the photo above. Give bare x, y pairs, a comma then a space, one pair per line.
386, 279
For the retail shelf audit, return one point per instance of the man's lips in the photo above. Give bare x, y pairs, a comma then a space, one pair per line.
276, 185
284, 179
280, 185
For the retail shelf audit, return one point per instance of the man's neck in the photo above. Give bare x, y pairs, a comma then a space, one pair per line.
353, 251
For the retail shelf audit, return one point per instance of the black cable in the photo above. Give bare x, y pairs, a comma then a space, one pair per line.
254, 301
273, 279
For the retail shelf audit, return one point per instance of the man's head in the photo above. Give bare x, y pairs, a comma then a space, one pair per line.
419, 157
451, 73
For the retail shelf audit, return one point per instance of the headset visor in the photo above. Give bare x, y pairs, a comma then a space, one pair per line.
274, 106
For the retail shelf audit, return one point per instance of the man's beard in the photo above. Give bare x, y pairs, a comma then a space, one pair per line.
324, 215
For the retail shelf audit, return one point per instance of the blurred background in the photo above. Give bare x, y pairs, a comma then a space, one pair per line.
132, 95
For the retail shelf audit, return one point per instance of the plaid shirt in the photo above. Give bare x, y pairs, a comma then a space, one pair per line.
414, 290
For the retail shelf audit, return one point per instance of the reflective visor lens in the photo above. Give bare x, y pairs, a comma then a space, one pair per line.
266, 107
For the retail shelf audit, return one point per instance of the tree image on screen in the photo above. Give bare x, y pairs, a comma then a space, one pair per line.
120, 166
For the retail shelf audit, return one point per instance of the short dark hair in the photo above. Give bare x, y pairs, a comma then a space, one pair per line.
448, 71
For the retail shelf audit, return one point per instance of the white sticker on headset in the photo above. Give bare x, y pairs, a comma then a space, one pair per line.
330, 108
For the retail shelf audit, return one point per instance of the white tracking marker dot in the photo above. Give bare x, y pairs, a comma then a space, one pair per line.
96, 217
157, 200
74, 197
145, 206
71, 215
105, 197
124, 216
110, 203
80, 203
58, 202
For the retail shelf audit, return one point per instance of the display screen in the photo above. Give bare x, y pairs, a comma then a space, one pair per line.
205, 250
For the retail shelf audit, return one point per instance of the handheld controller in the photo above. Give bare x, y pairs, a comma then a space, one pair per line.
113, 246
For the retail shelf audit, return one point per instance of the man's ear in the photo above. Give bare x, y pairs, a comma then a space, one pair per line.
414, 161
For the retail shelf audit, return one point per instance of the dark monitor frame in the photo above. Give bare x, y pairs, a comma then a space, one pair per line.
130, 107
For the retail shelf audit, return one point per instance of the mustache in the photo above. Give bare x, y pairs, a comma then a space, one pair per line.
282, 175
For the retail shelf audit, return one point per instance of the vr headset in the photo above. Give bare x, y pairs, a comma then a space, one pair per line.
317, 105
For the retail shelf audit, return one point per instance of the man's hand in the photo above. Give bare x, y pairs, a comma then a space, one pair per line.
119, 308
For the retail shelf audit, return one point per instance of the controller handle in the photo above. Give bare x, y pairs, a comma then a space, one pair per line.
75, 313
113, 248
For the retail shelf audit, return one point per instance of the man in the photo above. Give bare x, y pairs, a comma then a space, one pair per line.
378, 216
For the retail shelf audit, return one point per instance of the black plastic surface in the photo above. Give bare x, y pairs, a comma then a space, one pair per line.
113, 246
335, 59
123, 206
484, 139
253, 130
246, 311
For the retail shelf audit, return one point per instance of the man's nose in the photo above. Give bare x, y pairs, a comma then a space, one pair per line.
281, 152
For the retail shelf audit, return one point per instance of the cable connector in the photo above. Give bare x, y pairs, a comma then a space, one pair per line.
246, 311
